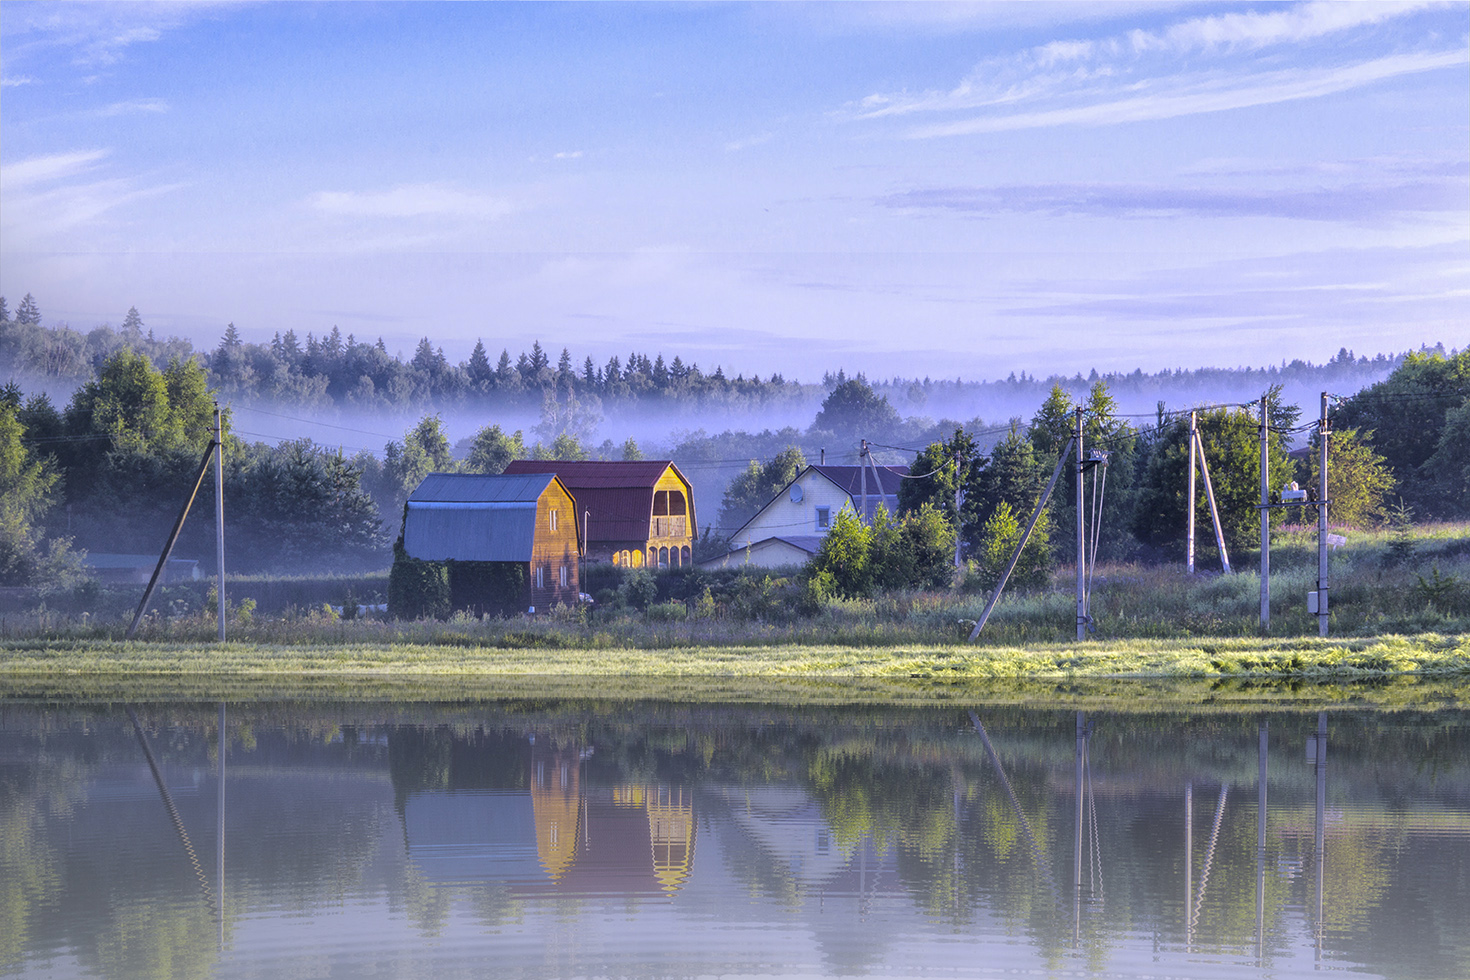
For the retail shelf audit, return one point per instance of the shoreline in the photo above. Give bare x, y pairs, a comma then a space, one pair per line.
1426, 669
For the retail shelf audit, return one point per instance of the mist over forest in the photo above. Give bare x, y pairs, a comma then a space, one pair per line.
355, 427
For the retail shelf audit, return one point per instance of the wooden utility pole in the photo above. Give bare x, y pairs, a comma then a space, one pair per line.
863, 474
219, 516
1081, 539
158, 570
959, 501
1265, 521
1204, 469
1020, 545
1189, 507
1322, 523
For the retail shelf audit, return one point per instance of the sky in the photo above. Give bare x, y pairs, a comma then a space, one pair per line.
915, 189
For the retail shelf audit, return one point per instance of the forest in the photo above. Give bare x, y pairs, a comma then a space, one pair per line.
105, 467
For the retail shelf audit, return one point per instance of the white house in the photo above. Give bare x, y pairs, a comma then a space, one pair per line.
790, 527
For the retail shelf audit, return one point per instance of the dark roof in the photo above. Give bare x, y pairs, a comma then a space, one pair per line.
473, 518
850, 478
598, 473
617, 497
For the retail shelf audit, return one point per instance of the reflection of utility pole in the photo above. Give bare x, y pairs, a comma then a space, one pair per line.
219, 865
1188, 864
1077, 851
1261, 846
1321, 811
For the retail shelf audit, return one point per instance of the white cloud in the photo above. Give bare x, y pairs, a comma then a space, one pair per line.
1205, 94
432, 200
38, 170
568, 155
16, 81
50, 195
1203, 64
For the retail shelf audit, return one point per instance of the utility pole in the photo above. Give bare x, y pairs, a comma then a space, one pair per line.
1322, 523
219, 517
1204, 470
1189, 507
1081, 539
959, 501
863, 473
1265, 522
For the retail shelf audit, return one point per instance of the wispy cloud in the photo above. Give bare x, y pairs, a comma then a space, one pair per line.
51, 195
432, 200
1349, 202
16, 81
1199, 65
567, 155
735, 146
132, 107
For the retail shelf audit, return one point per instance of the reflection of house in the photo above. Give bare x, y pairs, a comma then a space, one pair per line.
790, 527
556, 835
637, 513
138, 569
525, 522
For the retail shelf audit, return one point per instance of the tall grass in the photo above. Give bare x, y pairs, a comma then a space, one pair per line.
1375, 590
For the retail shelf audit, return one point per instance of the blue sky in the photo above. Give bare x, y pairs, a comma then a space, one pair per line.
917, 189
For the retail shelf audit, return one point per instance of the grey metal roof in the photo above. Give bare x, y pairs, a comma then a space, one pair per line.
480, 488
468, 517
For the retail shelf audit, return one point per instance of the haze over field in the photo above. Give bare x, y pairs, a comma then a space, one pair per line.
915, 189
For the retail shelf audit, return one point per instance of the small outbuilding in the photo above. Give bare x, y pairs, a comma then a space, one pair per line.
503, 543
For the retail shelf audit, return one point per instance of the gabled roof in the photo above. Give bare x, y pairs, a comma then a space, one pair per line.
617, 497
468, 517
598, 474
850, 478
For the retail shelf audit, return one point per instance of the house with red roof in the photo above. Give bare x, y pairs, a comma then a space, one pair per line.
633, 514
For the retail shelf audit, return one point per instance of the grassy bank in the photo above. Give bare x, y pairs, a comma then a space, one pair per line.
56, 667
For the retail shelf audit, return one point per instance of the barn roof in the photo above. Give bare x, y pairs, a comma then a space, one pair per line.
617, 496
468, 517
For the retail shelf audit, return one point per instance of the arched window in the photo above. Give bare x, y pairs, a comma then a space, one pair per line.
652, 557
663, 558
684, 552
617, 558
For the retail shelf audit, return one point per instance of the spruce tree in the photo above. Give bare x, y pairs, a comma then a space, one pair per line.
28, 314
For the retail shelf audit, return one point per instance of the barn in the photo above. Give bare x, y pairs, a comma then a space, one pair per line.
504, 542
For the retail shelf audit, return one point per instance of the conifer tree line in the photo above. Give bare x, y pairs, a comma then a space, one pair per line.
106, 471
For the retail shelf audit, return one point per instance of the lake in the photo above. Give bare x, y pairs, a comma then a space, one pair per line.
565, 838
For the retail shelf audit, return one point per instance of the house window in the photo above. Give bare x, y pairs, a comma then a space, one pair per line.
824, 518
540, 577
553, 520
564, 576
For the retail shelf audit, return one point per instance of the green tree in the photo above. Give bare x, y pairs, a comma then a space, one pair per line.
424, 450
842, 559
999, 537
1358, 479
28, 314
492, 451
752, 489
132, 325
928, 544
28, 488
1405, 415
631, 452
1231, 441
853, 409
955, 462
1449, 467
565, 446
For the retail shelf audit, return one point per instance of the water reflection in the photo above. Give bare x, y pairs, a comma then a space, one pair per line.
600, 839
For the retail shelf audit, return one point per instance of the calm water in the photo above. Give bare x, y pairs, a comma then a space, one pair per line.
567, 839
